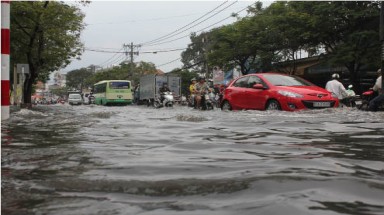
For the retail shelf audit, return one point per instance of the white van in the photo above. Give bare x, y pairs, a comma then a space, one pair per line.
75, 99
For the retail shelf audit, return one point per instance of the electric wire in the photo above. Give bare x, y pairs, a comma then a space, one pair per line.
169, 41
198, 23
160, 38
159, 51
142, 20
169, 62
118, 59
105, 62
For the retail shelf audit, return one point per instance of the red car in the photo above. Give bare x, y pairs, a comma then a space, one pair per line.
273, 91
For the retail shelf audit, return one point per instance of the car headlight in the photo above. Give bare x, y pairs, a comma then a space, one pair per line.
290, 94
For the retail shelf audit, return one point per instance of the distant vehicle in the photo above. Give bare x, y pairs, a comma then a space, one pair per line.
273, 91
113, 92
150, 85
86, 100
75, 99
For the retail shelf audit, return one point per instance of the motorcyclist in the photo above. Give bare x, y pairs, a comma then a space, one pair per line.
163, 90
375, 103
192, 91
91, 98
200, 89
336, 88
351, 96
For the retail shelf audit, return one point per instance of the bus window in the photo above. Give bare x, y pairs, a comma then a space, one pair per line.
100, 88
119, 85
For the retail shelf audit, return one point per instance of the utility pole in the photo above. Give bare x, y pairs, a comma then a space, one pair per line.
205, 54
129, 50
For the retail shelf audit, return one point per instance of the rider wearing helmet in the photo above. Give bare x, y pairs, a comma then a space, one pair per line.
200, 89
336, 87
163, 90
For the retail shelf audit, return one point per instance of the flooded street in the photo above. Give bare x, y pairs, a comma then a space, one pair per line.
62, 159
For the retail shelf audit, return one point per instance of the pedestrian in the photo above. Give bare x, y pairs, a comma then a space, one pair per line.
375, 103
337, 89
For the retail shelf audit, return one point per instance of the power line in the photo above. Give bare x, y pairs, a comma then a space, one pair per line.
142, 20
154, 52
199, 22
124, 52
159, 51
155, 40
119, 59
169, 41
169, 62
197, 31
105, 62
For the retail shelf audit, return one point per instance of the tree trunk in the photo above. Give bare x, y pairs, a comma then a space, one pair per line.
27, 94
28, 84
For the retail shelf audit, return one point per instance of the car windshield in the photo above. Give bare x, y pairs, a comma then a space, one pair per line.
285, 80
119, 85
74, 96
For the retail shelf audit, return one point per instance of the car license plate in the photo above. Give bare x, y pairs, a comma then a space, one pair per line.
321, 104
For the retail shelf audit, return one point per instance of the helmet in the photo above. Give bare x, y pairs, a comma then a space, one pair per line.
350, 86
336, 76
193, 79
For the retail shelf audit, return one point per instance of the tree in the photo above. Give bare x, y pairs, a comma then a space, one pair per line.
194, 56
122, 72
61, 92
46, 35
79, 78
348, 31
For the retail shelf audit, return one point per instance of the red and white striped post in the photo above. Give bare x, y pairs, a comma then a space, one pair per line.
5, 51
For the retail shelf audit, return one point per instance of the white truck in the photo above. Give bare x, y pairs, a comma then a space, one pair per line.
150, 85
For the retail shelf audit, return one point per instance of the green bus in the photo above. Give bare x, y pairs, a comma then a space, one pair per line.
113, 92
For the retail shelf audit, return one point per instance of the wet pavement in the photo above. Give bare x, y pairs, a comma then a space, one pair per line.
61, 159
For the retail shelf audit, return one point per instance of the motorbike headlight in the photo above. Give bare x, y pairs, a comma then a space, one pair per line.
290, 94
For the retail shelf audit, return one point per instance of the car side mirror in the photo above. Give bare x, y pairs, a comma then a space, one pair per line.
258, 86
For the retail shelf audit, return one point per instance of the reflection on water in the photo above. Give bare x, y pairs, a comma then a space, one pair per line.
61, 159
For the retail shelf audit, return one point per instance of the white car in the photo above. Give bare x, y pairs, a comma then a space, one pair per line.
75, 99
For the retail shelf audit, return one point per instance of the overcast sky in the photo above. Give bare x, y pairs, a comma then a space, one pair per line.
110, 24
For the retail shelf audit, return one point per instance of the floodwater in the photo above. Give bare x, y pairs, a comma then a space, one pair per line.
62, 159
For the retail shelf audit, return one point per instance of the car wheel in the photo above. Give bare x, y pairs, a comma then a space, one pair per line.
226, 106
273, 105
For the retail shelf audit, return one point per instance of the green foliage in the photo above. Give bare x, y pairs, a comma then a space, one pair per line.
46, 35
124, 71
62, 91
79, 79
346, 32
